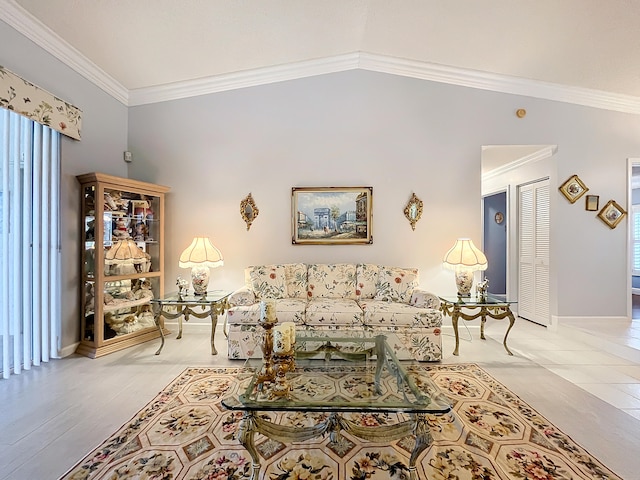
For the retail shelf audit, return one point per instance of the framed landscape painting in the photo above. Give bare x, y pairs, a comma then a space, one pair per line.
331, 215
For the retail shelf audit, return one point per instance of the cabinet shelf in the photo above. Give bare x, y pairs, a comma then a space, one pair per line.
115, 278
133, 276
127, 304
113, 307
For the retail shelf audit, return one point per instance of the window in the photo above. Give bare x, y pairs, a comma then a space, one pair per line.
29, 243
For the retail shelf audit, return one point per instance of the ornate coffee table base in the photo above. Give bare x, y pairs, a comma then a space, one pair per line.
361, 364
252, 424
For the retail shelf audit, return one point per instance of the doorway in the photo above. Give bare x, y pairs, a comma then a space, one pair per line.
505, 170
533, 248
494, 241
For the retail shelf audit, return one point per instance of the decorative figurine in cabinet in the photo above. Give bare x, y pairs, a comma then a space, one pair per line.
123, 261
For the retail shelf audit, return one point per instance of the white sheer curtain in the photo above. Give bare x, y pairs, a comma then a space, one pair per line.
29, 243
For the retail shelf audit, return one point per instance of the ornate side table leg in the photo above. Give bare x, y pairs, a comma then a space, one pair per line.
454, 320
483, 320
423, 440
156, 319
246, 430
214, 323
512, 320
185, 312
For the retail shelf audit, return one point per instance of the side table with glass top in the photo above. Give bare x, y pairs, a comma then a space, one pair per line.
497, 307
172, 306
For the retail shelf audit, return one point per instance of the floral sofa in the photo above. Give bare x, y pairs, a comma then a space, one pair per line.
345, 299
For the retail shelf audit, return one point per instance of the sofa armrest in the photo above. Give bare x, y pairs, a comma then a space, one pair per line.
423, 299
242, 296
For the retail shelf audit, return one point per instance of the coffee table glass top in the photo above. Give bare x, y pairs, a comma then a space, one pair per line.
343, 375
474, 300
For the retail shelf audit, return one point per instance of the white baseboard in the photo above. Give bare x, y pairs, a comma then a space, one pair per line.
578, 319
71, 349
68, 350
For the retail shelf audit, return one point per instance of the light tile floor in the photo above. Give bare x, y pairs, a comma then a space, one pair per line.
583, 380
602, 361
614, 373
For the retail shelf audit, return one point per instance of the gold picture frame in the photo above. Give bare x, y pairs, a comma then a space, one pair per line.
612, 214
248, 210
413, 210
331, 215
573, 188
592, 203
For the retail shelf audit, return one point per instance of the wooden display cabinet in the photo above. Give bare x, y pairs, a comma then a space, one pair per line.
122, 262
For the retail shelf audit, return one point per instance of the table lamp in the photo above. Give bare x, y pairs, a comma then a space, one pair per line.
464, 259
200, 256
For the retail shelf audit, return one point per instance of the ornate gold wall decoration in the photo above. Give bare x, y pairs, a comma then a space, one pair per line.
612, 214
573, 188
248, 210
413, 210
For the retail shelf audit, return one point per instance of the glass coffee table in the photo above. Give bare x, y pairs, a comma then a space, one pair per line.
338, 376
497, 307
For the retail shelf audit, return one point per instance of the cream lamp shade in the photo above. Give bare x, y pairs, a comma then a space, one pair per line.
464, 258
200, 256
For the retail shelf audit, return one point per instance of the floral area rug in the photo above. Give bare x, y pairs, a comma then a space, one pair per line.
185, 433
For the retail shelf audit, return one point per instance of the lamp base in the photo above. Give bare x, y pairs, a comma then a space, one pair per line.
200, 280
464, 282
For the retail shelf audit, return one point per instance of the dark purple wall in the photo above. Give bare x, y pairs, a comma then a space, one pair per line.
495, 242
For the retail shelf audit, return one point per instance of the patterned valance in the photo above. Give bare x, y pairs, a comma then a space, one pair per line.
33, 102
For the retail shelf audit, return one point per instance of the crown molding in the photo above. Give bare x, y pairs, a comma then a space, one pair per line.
247, 78
21, 20
544, 152
394, 66
500, 83
36, 31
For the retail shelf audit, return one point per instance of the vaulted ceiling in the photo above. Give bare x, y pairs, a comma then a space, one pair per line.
578, 47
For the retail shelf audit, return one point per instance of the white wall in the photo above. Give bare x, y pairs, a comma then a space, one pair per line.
399, 135
104, 138
352, 129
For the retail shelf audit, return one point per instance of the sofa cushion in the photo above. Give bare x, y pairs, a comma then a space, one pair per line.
296, 280
291, 310
383, 313
366, 280
268, 281
332, 281
287, 310
333, 311
396, 284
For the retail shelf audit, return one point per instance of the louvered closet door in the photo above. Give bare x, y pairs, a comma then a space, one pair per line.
533, 240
